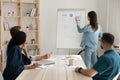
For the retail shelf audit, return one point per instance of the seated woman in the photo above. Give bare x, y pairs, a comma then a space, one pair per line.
16, 29
15, 60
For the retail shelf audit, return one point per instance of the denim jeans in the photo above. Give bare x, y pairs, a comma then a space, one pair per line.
90, 57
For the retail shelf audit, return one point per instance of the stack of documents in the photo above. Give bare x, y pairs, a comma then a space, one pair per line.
70, 67
46, 63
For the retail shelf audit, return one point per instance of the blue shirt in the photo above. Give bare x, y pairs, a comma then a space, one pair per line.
90, 37
108, 66
15, 63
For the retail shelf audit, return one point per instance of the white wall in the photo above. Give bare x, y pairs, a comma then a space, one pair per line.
102, 14
48, 20
109, 17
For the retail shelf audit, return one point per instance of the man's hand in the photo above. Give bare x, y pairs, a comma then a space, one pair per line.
77, 69
87, 72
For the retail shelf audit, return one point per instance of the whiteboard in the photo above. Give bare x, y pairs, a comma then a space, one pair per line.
67, 34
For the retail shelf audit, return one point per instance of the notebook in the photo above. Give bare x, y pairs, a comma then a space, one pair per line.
46, 62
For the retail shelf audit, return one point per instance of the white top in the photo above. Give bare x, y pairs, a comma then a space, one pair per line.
1, 77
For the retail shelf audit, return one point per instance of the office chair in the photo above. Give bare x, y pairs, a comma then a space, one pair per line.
116, 77
83, 51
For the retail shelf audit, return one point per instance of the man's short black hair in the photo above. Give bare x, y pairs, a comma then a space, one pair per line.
108, 38
14, 30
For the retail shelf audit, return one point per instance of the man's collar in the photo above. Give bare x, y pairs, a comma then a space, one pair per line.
108, 51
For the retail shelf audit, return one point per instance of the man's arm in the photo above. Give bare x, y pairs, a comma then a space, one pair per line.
87, 72
100, 66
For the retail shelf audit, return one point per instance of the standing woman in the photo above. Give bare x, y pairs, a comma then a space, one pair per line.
15, 61
91, 34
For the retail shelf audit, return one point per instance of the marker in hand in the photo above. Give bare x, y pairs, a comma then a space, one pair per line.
76, 19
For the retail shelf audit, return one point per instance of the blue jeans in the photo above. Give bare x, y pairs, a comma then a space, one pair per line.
90, 57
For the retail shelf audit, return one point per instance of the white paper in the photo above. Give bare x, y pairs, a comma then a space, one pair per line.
66, 58
46, 62
46, 66
70, 67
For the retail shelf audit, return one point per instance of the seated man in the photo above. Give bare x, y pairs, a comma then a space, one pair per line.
13, 31
108, 65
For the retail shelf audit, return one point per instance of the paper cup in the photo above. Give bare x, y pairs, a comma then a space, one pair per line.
71, 62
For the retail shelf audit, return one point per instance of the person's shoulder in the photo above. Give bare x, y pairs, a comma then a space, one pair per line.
88, 26
107, 54
15, 48
99, 26
104, 57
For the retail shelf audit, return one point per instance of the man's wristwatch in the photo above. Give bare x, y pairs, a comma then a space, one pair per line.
79, 70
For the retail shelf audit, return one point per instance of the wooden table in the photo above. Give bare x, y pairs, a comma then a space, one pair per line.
57, 72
